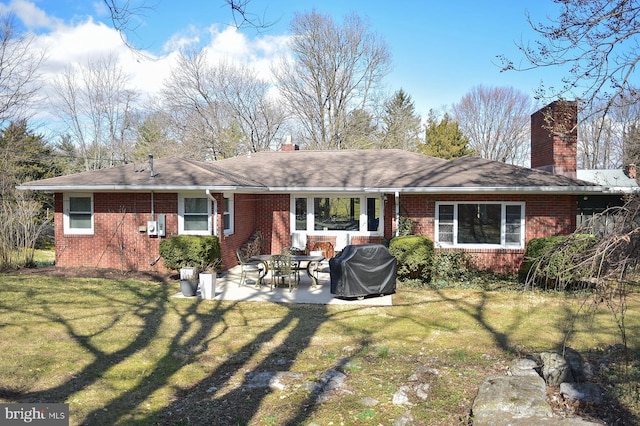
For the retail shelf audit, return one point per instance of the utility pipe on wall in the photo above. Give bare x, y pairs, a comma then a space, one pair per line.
397, 200
215, 212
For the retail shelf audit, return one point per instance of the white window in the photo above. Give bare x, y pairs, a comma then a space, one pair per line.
78, 214
335, 214
488, 224
228, 215
194, 215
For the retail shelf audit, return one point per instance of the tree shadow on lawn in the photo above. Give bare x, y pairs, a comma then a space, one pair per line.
193, 337
151, 314
201, 403
612, 410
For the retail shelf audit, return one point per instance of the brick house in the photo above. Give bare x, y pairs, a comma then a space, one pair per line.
116, 218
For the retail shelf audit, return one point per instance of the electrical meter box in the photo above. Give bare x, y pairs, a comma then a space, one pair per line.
156, 227
152, 227
161, 225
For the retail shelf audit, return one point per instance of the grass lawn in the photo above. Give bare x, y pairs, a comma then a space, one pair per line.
125, 352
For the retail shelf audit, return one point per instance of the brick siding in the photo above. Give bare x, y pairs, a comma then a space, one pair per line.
118, 242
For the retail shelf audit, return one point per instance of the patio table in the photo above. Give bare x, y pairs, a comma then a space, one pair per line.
312, 264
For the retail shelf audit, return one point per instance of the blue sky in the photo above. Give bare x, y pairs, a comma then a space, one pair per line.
441, 49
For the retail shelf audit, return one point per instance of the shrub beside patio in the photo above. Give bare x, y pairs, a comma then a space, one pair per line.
122, 351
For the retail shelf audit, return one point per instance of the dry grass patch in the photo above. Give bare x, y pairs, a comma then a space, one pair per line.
122, 351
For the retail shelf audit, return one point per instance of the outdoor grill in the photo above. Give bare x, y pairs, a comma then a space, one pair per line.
362, 270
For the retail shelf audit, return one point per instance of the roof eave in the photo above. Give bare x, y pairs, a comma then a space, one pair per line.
128, 188
494, 190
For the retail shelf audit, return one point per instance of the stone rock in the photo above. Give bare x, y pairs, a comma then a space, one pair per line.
270, 379
588, 393
401, 397
510, 397
507, 420
422, 372
332, 379
422, 391
577, 364
367, 401
523, 367
555, 369
405, 419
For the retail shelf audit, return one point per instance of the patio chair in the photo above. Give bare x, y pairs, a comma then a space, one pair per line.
247, 266
297, 266
324, 248
282, 271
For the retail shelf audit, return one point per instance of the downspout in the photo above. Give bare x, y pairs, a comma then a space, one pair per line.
215, 212
397, 203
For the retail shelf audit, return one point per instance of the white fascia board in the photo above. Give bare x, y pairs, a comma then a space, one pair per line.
128, 188
316, 189
623, 190
494, 190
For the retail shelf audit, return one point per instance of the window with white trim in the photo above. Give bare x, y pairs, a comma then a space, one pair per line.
194, 215
472, 224
227, 215
78, 214
335, 214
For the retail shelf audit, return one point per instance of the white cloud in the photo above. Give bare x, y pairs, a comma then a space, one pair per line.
31, 16
74, 43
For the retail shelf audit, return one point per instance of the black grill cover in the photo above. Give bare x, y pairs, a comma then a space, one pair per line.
363, 270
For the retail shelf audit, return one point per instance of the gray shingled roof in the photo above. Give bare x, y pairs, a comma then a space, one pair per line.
615, 179
345, 170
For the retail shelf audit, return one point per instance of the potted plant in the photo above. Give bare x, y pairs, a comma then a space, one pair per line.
190, 254
188, 281
208, 280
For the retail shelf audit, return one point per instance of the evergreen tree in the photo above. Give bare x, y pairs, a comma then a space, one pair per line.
444, 139
400, 123
360, 131
25, 156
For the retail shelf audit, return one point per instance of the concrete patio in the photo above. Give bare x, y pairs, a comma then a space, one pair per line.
228, 287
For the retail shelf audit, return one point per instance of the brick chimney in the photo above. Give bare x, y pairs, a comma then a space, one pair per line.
554, 138
288, 146
630, 171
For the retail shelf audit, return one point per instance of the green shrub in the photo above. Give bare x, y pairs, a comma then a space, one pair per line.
452, 266
414, 254
190, 251
554, 259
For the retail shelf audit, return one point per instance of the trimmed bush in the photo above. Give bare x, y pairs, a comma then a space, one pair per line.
198, 251
554, 259
415, 256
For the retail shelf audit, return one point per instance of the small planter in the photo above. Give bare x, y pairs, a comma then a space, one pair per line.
207, 285
188, 282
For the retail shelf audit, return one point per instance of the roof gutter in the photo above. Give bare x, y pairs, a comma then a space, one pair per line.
493, 190
123, 187
397, 204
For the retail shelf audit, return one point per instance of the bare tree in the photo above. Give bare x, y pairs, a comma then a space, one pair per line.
333, 70
96, 104
19, 66
258, 116
220, 110
496, 120
602, 258
607, 141
597, 43
126, 16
